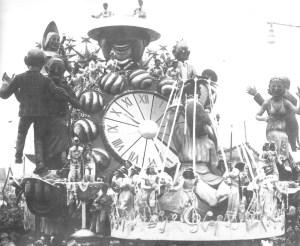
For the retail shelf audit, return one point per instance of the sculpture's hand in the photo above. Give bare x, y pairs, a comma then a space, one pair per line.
251, 90
6, 79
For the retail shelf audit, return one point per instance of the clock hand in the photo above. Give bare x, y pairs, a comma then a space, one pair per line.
136, 122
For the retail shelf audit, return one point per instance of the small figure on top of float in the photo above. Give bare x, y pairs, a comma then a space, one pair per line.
105, 13
139, 12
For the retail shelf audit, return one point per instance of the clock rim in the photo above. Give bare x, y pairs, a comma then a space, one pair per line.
105, 141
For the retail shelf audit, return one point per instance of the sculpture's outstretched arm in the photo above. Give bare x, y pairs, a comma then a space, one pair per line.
251, 90
259, 115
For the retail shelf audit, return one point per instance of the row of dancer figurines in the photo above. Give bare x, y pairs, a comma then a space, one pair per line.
155, 188
82, 167
157, 193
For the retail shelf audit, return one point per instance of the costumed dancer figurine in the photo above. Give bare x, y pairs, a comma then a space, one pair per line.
75, 158
278, 108
112, 63
174, 72
105, 13
134, 175
292, 127
187, 182
100, 214
157, 70
120, 178
123, 186
149, 185
232, 180
89, 165
139, 12
32, 89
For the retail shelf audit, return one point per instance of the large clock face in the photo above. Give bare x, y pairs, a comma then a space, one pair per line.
136, 129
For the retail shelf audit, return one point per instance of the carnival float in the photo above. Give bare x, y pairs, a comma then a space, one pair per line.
139, 157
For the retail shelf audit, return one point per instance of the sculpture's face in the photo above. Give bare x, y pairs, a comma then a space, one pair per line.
182, 53
56, 70
277, 88
123, 49
53, 43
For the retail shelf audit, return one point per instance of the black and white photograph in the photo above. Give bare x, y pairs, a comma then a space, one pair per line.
149, 123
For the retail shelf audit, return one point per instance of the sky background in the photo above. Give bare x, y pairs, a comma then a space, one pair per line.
230, 37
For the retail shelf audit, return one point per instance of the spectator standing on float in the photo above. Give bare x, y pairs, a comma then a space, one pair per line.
139, 12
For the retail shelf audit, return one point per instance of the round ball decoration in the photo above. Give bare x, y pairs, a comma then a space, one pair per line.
140, 79
44, 199
101, 158
91, 102
85, 129
166, 86
112, 83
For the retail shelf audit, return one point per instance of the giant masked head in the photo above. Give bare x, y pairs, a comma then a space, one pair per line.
126, 37
51, 39
181, 51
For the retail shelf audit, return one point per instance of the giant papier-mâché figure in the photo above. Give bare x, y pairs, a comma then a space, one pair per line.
278, 108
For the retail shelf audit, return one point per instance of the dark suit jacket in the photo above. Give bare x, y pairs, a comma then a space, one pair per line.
33, 90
